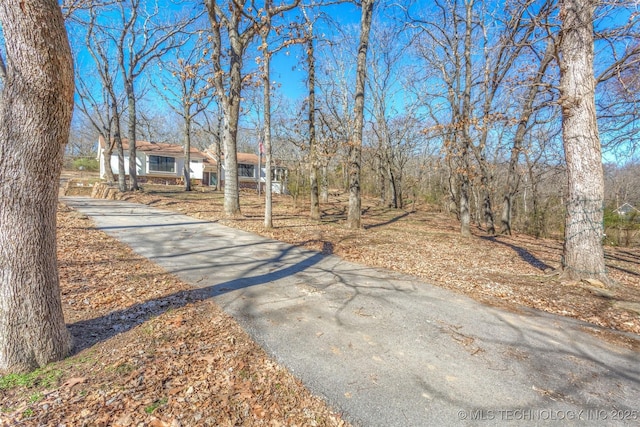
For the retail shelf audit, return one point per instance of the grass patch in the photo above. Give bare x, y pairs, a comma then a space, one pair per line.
36, 397
124, 368
44, 377
155, 405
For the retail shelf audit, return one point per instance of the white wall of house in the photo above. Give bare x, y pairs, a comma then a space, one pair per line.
195, 170
197, 166
114, 163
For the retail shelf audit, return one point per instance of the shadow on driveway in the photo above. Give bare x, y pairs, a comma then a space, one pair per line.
87, 333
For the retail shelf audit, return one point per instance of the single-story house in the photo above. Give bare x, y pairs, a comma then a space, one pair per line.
162, 162
155, 161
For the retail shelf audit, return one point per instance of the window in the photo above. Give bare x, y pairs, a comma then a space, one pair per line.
162, 164
245, 171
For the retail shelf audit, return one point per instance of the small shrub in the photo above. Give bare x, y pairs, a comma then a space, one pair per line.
86, 164
621, 230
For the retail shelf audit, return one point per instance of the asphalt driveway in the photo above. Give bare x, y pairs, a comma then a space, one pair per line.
385, 348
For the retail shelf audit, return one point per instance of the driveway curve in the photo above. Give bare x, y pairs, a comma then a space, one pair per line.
384, 348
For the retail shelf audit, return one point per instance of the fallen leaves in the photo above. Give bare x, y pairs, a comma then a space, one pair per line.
151, 352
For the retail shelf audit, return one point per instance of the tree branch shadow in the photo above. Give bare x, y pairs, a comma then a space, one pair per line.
391, 221
87, 333
524, 254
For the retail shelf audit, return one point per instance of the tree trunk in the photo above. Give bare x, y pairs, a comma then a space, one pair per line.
381, 177
218, 156
106, 158
487, 209
324, 185
122, 184
231, 108
393, 199
313, 148
452, 184
219, 168
36, 104
122, 181
465, 214
133, 166
465, 217
231, 186
355, 148
187, 150
397, 183
266, 82
583, 255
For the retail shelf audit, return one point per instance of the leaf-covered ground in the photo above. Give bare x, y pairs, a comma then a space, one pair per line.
508, 271
149, 352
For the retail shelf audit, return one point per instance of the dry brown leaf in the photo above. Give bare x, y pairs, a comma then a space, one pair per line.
156, 422
73, 381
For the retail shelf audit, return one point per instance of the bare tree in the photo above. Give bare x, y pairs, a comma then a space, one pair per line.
446, 43
233, 29
212, 124
527, 110
334, 107
617, 66
36, 104
97, 40
266, 26
314, 196
355, 147
583, 255
141, 40
229, 21
82, 138
502, 49
187, 91
392, 123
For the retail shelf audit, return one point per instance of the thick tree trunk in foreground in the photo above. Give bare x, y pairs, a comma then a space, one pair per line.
35, 113
583, 251
355, 147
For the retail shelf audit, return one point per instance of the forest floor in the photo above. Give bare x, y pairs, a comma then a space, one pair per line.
193, 365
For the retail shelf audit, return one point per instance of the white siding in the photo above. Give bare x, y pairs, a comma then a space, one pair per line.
197, 167
179, 167
114, 164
